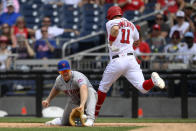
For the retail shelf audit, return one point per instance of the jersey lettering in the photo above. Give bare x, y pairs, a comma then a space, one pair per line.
123, 36
72, 92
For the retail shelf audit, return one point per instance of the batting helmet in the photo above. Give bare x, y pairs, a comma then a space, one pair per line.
63, 65
114, 11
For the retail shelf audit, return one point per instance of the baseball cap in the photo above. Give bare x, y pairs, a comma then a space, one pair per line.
176, 34
180, 13
10, 3
189, 34
63, 65
156, 27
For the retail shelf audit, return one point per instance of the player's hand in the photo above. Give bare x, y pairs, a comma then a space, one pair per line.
81, 108
136, 43
45, 103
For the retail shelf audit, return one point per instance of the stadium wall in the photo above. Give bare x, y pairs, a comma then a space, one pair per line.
152, 107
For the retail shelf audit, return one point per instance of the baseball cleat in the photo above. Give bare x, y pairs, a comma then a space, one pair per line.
56, 121
157, 80
89, 122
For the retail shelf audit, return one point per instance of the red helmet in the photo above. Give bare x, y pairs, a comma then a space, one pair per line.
114, 11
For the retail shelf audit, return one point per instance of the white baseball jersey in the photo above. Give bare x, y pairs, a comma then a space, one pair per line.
127, 35
72, 87
191, 50
182, 29
53, 31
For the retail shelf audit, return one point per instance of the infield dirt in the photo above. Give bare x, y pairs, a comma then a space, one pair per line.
146, 126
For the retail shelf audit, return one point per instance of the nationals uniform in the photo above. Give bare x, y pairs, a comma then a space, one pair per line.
122, 59
125, 64
72, 89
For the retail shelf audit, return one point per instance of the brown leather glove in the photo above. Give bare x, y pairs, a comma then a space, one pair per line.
75, 117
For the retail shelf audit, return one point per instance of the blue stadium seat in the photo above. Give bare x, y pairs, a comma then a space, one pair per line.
107, 6
72, 26
129, 14
91, 27
92, 19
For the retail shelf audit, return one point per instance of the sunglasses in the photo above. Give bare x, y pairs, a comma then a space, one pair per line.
46, 21
5, 27
44, 31
159, 18
64, 71
3, 41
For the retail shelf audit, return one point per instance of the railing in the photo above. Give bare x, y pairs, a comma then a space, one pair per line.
77, 40
98, 61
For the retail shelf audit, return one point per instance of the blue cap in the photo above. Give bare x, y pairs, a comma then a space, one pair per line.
63, 65
189, 34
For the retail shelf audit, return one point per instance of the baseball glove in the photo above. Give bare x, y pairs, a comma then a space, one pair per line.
76, 117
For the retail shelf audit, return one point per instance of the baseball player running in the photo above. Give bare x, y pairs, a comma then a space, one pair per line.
77, 86
122, 34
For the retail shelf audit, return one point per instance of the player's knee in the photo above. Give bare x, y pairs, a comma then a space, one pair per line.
104, 89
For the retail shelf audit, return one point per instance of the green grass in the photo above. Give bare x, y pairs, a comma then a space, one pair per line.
99, 120
72, 129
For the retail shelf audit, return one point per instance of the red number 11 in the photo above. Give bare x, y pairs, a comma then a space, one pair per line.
123, 36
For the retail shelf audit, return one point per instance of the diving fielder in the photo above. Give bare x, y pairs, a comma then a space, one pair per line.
77, 86
122, 34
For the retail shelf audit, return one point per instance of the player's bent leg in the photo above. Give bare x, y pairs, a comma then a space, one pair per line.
157, 80
66, 113
136, 78
56, 121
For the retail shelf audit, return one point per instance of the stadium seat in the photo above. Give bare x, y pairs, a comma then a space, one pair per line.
129, 14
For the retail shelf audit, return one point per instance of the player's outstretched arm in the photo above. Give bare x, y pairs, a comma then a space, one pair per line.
83, 97
54, 92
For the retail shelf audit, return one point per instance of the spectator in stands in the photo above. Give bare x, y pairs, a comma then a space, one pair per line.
194, 21
188, 10
173, 5
164, 26
6, 31
133, 5
156, 41
10, 16
142, 48
194, 4
182, 26
24, 50
63, 2
53, 31
189, 47
20, 29
45, 46
174, 46
98, 2
108, 1
4, 54
3, 6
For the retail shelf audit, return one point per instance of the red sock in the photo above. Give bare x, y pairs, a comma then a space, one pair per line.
148, 84
101, 98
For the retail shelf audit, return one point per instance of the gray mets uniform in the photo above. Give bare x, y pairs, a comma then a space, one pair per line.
72, 89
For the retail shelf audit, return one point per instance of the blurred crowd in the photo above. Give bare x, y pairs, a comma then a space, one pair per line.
171, 31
